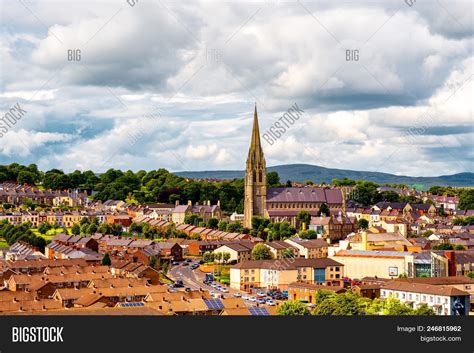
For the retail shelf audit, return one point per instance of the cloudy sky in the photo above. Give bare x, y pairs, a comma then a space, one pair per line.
173, 83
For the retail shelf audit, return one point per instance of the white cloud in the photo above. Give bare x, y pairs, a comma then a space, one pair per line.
198, 67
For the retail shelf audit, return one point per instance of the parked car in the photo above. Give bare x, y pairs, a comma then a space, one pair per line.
245, 297
187, 289
270, 302
174, 263
189, 260
224, 290
252, 299
261, 301
238, 295
178, 284
261, 294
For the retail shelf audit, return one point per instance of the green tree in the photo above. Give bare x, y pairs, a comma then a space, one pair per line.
165, 267
292, 308
273, 179
363, 223
366, 193
304, 217
213, 222
208, 256
427, 233
106, 260
152, 261
261, 252
193, 219
85, 228
222, 225
345, 304
424, 310
26, 177
234, 227
225, 257
44, 227
392, 306
308, 234
390, 196
459, 247
288, 254
443, 246
76, 229
324, 210
466, 200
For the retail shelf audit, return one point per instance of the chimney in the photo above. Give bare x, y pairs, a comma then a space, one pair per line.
219, 203
190, 203
177, 203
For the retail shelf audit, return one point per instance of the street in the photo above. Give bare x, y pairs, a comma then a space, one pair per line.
194, 280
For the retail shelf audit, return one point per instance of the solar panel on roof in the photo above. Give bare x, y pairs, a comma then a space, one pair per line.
258, 311
131, 304
214, 303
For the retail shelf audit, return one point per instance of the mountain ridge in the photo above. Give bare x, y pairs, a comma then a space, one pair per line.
318, 174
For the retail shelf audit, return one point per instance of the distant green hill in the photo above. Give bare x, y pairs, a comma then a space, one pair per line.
303, 172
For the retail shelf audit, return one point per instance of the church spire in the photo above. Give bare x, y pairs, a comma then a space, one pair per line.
255, 178
255, 150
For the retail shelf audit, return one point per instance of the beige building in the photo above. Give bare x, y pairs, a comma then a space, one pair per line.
444, 300
278, 274
375, 263
279, 249
238, 251
309, 248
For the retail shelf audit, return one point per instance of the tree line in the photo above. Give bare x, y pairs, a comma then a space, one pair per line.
165, 187
21, 232
328, 303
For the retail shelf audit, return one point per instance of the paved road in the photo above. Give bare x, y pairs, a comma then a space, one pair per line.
194, 280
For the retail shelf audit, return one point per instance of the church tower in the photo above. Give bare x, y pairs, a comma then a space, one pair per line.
255, 177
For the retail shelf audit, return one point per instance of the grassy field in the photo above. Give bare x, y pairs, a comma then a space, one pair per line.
50, 234
3, 243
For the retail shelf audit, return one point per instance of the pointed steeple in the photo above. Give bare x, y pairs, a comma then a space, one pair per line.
255, 150
255, 178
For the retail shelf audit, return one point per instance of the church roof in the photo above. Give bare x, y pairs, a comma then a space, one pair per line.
304, 194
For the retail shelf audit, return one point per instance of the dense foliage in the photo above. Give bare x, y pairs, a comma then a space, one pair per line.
13, 233
143, 187
328, 303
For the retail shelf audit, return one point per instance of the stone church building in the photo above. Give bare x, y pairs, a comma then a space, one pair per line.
280, 203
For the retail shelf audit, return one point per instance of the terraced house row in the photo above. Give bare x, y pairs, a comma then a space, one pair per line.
16, 194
